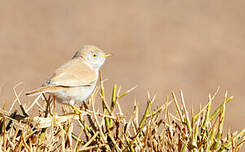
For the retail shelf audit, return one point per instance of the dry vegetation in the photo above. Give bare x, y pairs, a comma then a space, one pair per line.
158, 129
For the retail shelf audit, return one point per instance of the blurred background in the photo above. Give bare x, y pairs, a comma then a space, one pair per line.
160, 45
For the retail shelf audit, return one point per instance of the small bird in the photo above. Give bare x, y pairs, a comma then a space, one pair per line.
74, 81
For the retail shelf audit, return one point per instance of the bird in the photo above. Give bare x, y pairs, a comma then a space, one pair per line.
75, 80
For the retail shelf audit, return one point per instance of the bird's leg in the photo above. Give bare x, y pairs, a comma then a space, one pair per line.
54, 110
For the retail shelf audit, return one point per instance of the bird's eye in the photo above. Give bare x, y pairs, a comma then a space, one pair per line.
94, 55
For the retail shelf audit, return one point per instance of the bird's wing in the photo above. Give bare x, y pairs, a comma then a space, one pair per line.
73, 73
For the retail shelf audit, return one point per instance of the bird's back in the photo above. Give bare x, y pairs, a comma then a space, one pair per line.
73, 73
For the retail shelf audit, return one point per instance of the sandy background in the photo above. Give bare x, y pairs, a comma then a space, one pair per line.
160, 45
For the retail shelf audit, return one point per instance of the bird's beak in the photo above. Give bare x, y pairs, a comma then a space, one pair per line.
106, 55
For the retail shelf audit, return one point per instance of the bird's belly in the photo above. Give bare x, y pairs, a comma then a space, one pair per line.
73, 95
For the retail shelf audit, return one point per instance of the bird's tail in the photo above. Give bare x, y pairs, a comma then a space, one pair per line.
42, 90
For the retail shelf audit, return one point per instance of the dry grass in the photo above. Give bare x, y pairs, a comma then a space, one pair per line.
110, 130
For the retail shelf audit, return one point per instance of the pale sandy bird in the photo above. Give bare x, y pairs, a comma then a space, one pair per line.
74, 81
